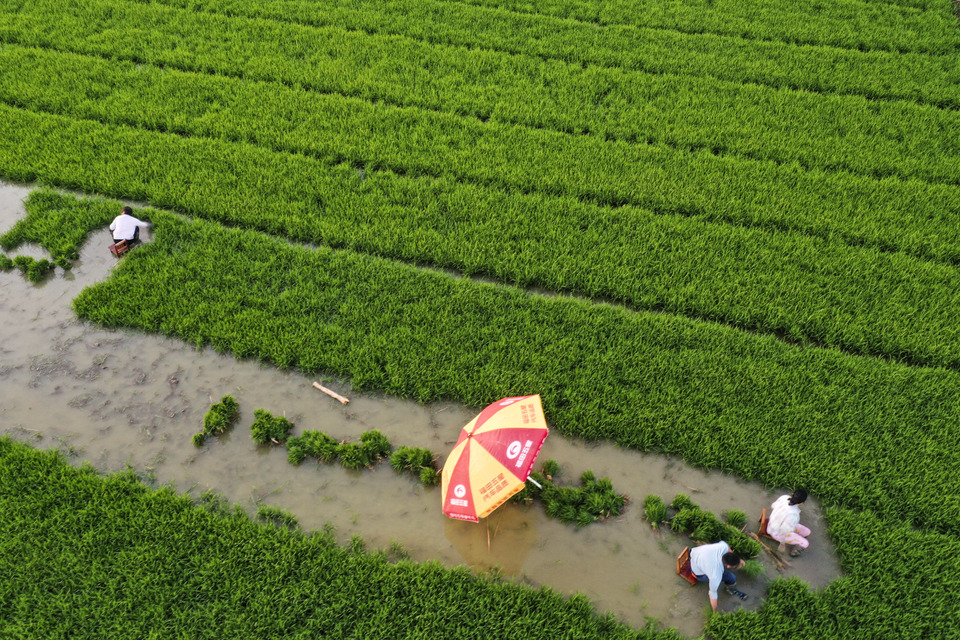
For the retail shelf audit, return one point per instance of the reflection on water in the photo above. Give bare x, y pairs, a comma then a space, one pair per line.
502, 541
118, 397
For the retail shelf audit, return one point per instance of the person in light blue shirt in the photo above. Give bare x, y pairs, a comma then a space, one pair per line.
713, 563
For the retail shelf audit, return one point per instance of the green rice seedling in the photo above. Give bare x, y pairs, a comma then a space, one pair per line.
585, 517
412, 459
753, 568
5, 263
397, 551
296, 453
588, 479
524, 496
568, 513
268, 428
319, 445
375, 446
596, 503
533, 490
352, 455
22, 263
357, 545
221, 416
276, 515
735, 518
682, 501
420, 462
685, 519
430, 477
709, 530
39, 269
550, 468
199, 438
655, 510
569, 496
553, 508
214, 503
703, 526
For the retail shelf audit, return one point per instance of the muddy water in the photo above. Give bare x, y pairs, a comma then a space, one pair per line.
117, 398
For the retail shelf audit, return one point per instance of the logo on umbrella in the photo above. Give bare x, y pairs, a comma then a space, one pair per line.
514, 449
459, 491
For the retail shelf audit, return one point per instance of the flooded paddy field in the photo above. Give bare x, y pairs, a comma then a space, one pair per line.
116, 398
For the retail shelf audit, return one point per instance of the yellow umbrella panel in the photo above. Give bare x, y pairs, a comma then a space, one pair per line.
493, 457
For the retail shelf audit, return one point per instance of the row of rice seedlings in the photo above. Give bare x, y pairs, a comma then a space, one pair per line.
32, 269
764, 278
136, 563
593, 501
421, 463
847, 24
704, 526
871, 74
219, 419
687, 114
372, 448
722, 398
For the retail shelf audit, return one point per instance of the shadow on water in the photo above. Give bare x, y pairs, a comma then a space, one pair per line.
118, 398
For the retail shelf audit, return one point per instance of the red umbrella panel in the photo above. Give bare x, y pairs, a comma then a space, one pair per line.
493, 457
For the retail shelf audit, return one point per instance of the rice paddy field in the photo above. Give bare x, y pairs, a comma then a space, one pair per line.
727, 231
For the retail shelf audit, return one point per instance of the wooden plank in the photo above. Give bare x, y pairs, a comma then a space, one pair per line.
331, 393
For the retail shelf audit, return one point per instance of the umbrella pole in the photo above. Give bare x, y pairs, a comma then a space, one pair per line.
539, 486
488, 534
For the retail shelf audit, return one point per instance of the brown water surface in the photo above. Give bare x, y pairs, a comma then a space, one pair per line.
117, 398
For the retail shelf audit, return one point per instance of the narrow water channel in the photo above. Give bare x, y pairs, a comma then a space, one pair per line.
117, 398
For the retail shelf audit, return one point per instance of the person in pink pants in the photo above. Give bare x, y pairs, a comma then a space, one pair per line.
784, 523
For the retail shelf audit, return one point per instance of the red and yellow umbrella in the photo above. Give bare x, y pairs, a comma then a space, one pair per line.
493, 457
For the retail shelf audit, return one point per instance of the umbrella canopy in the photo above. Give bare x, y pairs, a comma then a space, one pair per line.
493, 457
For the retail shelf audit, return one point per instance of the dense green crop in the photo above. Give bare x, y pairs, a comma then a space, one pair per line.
725, 398
819, 132
872, 74
766, 187
842, 23
89, 557
824, 291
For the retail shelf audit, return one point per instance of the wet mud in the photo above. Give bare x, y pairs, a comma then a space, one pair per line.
117, 398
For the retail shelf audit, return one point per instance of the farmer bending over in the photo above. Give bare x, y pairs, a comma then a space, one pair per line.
713, 563
126, 227
784, 523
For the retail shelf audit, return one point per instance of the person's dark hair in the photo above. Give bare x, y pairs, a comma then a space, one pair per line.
731, 559
127, 210
799, 496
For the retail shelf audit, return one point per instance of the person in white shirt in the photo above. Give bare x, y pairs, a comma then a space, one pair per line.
126, 227
712, 563
784, 523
